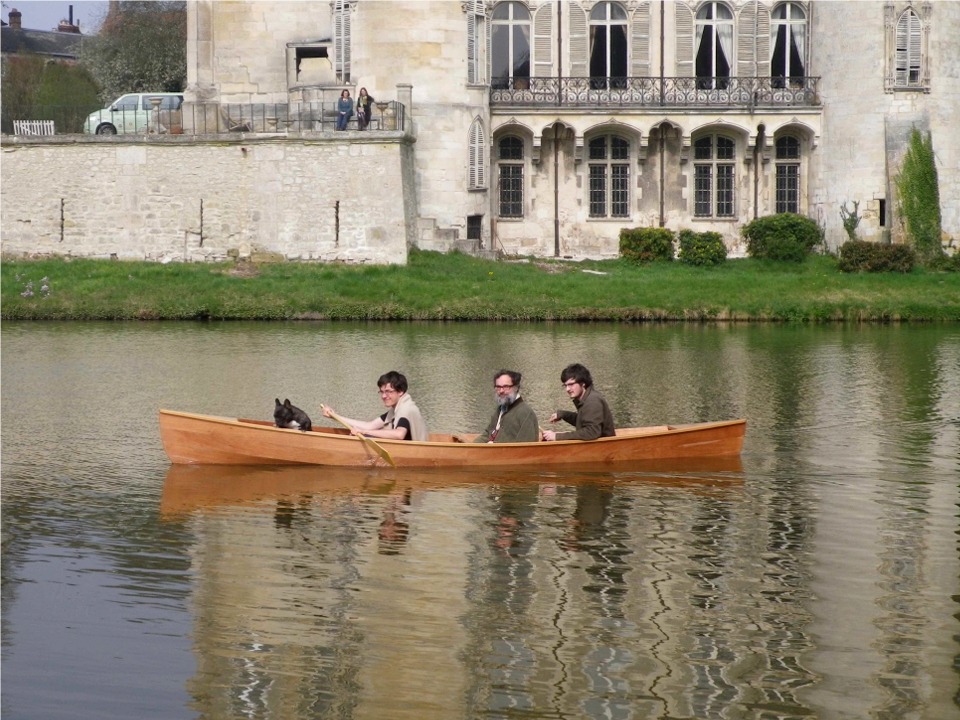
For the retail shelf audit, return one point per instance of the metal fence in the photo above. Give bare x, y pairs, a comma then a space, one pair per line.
204, 119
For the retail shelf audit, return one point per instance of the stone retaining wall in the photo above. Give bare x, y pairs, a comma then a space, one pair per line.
184, 198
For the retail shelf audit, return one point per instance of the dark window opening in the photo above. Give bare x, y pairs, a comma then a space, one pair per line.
883, 212
474, 226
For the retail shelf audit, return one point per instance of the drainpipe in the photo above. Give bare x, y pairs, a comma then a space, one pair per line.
663, 139
556, 190
556, 138
761, 130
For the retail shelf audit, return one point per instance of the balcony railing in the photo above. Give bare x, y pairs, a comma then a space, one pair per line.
640, 92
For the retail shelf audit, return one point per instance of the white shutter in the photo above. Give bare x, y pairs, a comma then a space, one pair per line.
684, 40
578, 41
471, 47
763, 48
477, 156
913, 52
747, 43
543, 41
640, 41
903, 35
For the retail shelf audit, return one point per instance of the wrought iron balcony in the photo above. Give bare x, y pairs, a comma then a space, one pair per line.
640, 92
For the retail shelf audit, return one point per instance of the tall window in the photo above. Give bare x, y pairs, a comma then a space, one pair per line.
714, 45
788, 32
510, 185
713, 176
510, 45
609, 168
477, 156
608, 45
908, 49
788, 174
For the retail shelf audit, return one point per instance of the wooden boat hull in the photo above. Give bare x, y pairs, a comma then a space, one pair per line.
189, 438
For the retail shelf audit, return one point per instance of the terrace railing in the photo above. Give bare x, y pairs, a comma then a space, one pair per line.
641, 92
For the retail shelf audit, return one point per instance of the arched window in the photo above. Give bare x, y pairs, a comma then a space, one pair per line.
714, 45
609, 182
788, 174
608, 45
788, 33
510, 183
510, 45
908, 49
478, 154
713, 176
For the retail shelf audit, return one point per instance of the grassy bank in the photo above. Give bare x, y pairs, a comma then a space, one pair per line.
434, 286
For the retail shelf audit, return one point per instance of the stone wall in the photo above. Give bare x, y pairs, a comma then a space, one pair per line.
181, 198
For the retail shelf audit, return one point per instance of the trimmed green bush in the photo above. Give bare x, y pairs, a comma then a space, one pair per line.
786, 237
862, 256
644, 245
705, 248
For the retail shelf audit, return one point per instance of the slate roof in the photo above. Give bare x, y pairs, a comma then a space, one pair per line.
61, 45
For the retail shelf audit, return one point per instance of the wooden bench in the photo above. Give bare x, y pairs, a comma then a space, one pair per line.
33, 127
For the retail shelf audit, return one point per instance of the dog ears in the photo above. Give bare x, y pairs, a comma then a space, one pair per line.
286, 402
277, 401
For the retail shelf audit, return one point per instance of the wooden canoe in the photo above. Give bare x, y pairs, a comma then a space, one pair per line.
189, 438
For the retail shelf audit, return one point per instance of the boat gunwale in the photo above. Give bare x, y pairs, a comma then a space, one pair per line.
628, 432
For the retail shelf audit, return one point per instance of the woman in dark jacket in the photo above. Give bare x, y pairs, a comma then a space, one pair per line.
364, 106
344, 110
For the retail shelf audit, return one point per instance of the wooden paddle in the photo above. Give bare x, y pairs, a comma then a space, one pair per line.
369, 442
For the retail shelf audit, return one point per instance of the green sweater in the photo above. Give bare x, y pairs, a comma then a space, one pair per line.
519, 424
592, 420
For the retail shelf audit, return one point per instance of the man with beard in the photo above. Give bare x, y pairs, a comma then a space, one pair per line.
513, 420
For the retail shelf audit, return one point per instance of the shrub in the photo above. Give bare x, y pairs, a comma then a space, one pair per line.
643, 245
706, 248
786, 236
862, 256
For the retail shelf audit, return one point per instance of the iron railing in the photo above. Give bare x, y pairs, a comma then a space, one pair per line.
669, 92
210, 119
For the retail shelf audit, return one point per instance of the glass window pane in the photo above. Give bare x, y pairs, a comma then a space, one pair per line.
521, 51
620, 148
726, 148
511, 191
702, 190
703, 148
598, 149
598, 195
620, 191
724, 190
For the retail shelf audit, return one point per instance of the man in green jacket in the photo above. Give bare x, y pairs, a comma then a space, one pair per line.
593, 418
513, 420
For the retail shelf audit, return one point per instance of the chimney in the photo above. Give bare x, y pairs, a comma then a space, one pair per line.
15, 19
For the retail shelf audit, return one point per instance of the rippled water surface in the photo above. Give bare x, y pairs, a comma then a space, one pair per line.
815, 577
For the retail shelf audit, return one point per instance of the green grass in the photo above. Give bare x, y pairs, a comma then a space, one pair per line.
436, 286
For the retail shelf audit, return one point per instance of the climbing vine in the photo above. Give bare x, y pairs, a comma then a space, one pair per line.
919, 192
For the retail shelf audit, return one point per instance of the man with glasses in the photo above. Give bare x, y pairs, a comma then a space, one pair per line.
401, 421
592, 419
513, 420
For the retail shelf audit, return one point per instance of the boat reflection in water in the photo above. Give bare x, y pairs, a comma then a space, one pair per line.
427, 591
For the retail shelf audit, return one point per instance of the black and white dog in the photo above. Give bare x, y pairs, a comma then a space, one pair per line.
286, 415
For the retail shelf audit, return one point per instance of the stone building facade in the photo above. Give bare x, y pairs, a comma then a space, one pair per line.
545, 127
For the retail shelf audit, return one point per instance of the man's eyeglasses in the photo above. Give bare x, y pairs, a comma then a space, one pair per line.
502, 387
571, 383
386, 391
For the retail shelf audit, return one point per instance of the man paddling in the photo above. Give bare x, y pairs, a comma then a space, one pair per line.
401, 421
513, 420
592, 419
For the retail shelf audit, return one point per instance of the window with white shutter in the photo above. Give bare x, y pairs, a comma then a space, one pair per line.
341, 40
907, 45
477, 162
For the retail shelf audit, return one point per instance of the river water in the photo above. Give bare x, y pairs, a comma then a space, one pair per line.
816, 577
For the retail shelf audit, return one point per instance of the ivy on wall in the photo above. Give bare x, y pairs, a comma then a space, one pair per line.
919, 191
